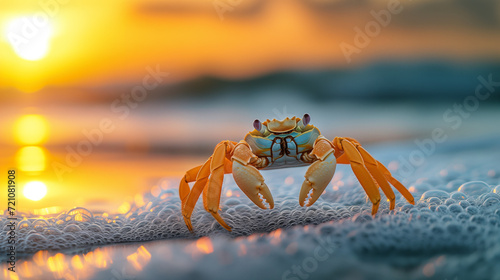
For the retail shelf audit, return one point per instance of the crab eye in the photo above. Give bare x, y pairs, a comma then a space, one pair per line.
257, 125
306, 119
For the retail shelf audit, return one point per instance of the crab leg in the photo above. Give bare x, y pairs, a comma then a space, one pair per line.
190, 176
372, 166
385, 172
320, 173
212, 193
360, 170
194, 194
248, 178
396, 183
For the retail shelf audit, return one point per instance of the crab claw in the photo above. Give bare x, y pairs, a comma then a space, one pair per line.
251, 182
320, 173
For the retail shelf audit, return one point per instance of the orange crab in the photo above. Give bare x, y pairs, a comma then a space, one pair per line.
278, 144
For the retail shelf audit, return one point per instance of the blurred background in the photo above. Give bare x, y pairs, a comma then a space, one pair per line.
103, 100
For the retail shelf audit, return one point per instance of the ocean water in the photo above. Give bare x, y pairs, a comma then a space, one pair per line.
452, 231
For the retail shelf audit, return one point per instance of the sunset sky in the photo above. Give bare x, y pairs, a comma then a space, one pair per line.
94, 43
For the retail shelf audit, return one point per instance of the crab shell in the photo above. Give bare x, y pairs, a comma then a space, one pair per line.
284, 142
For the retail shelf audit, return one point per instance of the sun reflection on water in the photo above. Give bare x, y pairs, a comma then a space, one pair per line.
31, 129
204, 245
140, 258
35, 190
48, 210
31, 159
57, 264
81, 266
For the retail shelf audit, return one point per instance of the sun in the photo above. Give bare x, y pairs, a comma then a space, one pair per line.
35, 190
29, 36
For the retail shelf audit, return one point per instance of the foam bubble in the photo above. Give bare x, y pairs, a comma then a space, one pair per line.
474, 188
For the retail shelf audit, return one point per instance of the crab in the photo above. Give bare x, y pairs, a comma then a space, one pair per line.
279, 144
